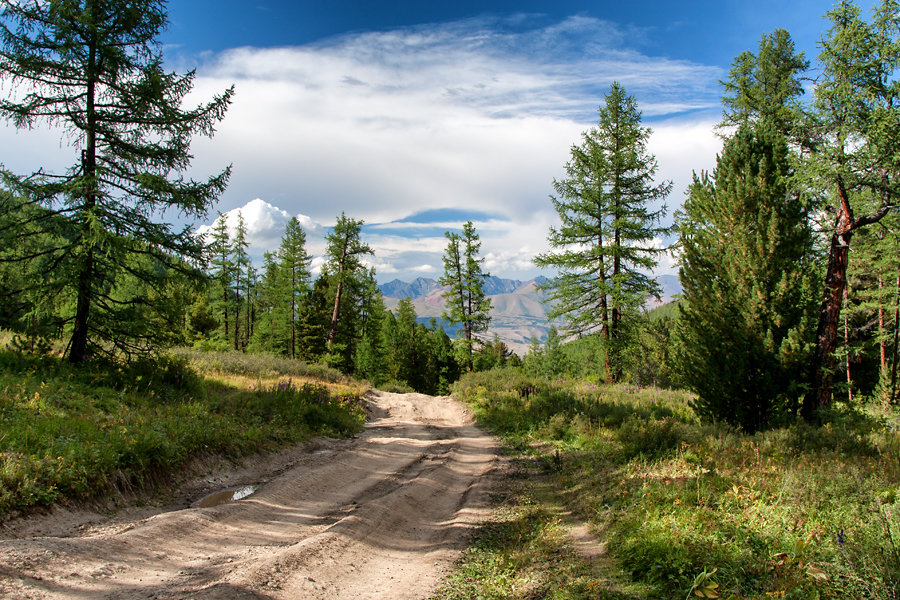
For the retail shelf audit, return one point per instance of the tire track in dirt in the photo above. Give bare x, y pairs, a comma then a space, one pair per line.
380, 516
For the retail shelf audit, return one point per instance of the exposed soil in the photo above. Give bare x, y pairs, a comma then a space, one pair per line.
379, 516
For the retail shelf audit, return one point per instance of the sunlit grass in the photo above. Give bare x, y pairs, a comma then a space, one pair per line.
797, 512
74, 433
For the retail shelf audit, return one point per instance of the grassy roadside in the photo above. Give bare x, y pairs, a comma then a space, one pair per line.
70, 433
527, 550
685, 509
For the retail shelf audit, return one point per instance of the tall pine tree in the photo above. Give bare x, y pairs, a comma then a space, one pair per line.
294, 262
93, 68
854, 131
746, 307
464, 278
604, 248
346, 274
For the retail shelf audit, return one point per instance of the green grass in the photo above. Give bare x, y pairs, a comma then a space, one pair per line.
523, 551
798, 512
78, 433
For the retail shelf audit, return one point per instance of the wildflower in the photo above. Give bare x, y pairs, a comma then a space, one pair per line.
840, 537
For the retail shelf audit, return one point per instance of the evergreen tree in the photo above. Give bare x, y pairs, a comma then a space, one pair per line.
853, 131
92, 67
463, 276
222, 273
201, 319
271, 333
343, 266
604, 247
766, 86
745, 273
294, 262
240, 258
405, 354
445, 369
315, 321
32, 294
390, 344
871, 301
371, 354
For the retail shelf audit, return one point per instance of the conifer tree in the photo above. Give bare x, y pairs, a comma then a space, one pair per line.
603, 249
295, 262
766, 86
223, 272
746, 274
93, 68
874, 279
371, 355
31, 290
346, 274
405, 353
241, 282
270, 333
463, 277
853, 130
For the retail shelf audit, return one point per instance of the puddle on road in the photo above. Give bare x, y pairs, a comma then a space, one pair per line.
225, 496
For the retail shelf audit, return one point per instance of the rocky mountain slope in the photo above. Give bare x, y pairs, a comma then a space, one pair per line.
518, 314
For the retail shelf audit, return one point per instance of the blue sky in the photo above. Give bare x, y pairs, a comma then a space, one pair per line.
417, 116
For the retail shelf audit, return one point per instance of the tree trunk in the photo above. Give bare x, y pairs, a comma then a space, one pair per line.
293, 313
894, 357
847, 346
604, 307
237, 321
819, 393
78, 344
335, 314
225, 310
882, 347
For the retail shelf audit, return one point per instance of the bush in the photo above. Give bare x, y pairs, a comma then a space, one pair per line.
650, 438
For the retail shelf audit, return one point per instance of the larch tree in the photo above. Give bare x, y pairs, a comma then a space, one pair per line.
270, 334
370, 360
294, 262
853, 127
766, 86
467, 303
240, 258
603, 249
93, 68
343, 265
871, 305
222, 271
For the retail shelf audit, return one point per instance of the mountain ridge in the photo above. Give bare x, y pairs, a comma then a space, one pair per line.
518, 314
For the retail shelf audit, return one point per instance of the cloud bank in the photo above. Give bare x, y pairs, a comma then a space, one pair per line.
477, 116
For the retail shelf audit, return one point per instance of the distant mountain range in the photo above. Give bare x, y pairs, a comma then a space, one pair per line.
518, 314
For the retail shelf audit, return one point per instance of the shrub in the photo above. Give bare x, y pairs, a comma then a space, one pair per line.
649, 438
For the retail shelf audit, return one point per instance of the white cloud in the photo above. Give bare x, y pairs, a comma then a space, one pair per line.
265, 225
424, 269
476, 115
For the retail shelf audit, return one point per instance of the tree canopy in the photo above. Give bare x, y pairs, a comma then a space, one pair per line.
94, 69
605, 247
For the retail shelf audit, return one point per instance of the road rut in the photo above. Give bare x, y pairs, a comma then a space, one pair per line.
380, 516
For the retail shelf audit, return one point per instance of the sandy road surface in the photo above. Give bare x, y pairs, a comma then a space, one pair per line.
380, 516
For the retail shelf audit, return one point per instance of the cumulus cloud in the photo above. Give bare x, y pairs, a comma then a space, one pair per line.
265, 225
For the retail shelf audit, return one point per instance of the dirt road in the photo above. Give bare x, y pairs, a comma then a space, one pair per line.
379, 516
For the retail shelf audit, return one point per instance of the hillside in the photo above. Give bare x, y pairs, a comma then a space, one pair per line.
518, 314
